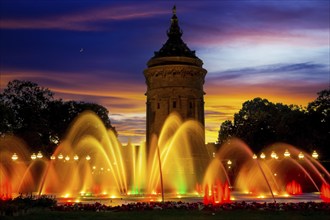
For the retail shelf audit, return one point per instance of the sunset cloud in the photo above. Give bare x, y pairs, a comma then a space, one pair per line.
271, 73
85, 20
96, 51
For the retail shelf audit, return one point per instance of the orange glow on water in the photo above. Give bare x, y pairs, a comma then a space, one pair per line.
67, 195
5, 190
325, 192
218, 193
293, 188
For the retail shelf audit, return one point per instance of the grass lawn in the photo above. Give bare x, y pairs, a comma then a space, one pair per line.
174, 214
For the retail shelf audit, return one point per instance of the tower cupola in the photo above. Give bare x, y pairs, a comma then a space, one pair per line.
174, 45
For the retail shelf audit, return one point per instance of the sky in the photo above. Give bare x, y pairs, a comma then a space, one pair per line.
96, 51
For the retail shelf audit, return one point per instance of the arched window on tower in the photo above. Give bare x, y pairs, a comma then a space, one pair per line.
158, 105
190, 105
174, 104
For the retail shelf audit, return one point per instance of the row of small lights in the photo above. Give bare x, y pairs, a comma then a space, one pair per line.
60, 157
75, 157
273, 155
67, 158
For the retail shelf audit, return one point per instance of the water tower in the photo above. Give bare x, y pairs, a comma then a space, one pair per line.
175, 79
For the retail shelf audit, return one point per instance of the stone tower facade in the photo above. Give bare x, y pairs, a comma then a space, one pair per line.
175, 79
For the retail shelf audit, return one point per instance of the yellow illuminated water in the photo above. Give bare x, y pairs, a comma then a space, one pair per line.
91, 161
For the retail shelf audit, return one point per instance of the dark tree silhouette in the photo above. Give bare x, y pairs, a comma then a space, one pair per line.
27, 104
319, 121
31, 112
260, 123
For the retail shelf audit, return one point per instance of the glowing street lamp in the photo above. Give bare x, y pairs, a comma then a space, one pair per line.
229, 163
39, 155
14, 157
76, 157
60, 156
315, 155
262, 156
88, 157
273, 155
67, 158
254, 156
287, 153
52, 157
301, 155
33, 156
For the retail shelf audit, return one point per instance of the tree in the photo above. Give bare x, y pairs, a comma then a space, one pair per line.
31, 112
7, 121
319, 121
28, 104
66, 112
321, 104
260, 123
226, 131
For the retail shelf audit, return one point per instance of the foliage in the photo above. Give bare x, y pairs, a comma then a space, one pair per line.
23, 204
26, 104
32, 113
260, 123
319, 120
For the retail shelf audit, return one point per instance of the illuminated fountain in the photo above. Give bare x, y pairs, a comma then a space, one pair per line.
13, 172
290, 171
183, 160
90, 161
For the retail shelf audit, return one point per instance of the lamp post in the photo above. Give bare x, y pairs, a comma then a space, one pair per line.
262, 156
33, 156
88, 157
229, 163
39, 155
60, 156
287, 153
14, 157
273, 155
76, 157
